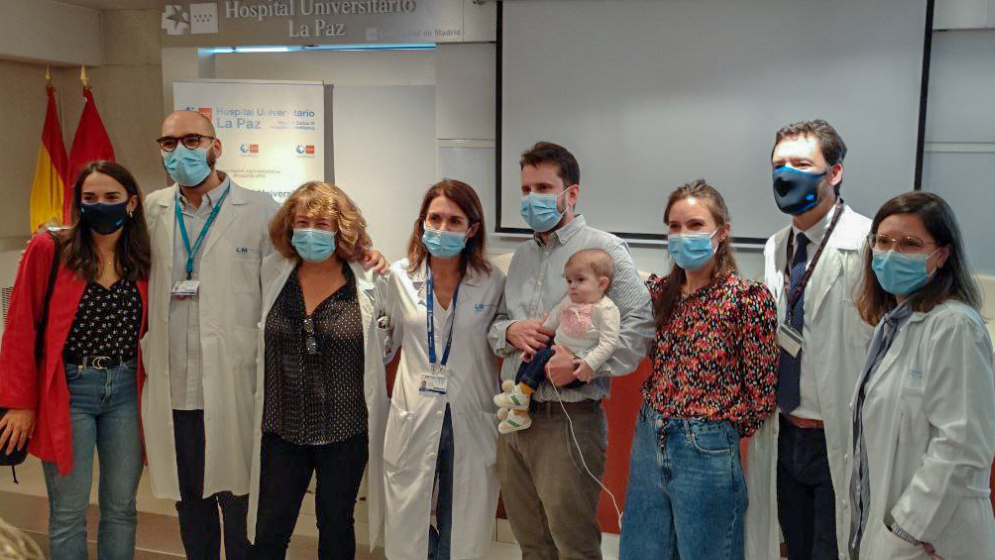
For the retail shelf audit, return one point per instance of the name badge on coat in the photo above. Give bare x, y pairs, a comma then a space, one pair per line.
789, 339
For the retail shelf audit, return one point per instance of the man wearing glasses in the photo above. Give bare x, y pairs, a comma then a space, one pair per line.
812, 267
209, 237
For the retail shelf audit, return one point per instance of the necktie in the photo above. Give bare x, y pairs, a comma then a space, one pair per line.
789, 368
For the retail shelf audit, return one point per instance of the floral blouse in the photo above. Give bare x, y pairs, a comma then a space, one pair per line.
716, 358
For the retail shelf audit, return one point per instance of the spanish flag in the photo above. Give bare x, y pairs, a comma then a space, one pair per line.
91, 142
50, 171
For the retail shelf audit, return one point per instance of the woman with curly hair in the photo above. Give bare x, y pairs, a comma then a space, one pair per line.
320, 386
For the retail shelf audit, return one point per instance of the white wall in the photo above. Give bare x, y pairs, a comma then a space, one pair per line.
959, 161
964, 14
464, 79
369, 134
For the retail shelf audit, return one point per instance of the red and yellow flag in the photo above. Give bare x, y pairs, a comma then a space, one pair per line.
49, 186
91, 142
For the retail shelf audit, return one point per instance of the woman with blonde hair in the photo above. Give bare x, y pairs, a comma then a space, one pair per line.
321, 396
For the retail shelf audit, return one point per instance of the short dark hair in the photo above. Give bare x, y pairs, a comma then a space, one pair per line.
830, 142
547, 152
953, 281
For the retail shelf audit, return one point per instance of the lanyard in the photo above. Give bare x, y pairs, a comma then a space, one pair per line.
192, 252
430, 313
793, 299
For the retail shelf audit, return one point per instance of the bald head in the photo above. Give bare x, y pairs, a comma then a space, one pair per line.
181, 123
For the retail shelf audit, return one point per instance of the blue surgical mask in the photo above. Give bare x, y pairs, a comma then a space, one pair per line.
796, 192
443, 244
900, 273
314, 245
540, 211
691, 251
187, 167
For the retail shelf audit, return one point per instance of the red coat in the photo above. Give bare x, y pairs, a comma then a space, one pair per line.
42, 387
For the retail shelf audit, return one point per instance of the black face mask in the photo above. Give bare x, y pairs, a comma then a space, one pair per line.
796, 192
104, 218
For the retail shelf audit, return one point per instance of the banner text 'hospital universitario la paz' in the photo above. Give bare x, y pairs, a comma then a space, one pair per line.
236, 9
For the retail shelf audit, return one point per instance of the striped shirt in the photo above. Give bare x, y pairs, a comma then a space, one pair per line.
535, 285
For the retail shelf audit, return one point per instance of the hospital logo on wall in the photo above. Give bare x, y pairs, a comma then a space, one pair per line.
305, 150
248, 149
206, 111
196, 19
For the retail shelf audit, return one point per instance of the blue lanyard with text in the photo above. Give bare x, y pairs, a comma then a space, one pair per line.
430, 313
192, 252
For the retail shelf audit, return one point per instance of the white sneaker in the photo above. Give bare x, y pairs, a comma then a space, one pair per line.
514, 423
514, 399
502, 413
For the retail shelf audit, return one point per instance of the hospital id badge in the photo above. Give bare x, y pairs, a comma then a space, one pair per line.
433, 384
185, 289
789, 339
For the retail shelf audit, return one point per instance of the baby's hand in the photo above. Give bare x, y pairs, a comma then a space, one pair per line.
583, 371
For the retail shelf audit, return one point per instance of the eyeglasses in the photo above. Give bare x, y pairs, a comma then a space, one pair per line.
907, 244
190, 141
310, 343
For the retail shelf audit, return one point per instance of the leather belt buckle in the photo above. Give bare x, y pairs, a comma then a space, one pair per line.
97, 362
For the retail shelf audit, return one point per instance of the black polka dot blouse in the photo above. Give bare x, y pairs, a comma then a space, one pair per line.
106, 323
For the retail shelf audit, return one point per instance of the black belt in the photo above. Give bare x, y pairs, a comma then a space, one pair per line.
98, 362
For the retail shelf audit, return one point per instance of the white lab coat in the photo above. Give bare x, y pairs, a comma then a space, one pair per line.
929, 428
276, 271
414, 426
230, 303
836, 338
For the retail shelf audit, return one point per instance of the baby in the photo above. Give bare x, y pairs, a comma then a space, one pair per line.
586, 322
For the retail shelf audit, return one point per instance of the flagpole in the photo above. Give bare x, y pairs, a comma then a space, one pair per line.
83, 77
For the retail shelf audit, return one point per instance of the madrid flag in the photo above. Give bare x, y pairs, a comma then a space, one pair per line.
47, 191
91, 143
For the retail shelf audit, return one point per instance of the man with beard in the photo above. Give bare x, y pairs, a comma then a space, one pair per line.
209, 237
812, 268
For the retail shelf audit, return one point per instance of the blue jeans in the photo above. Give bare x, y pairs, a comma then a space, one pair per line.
533, 373
440, 539
103, 413
687, 497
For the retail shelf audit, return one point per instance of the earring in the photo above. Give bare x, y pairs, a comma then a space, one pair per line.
130, 214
